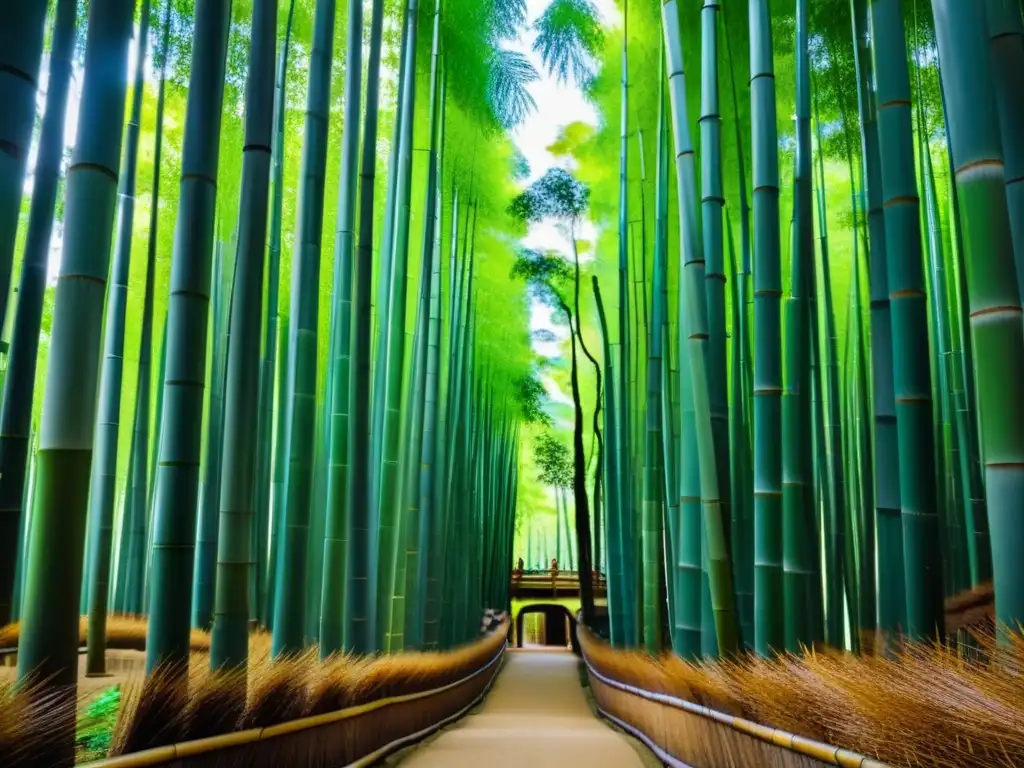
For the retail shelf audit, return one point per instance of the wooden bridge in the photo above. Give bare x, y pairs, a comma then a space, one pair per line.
532, 585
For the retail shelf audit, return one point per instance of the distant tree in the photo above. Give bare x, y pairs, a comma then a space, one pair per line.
559, 195
531, 397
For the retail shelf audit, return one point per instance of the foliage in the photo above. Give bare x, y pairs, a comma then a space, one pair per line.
556, 194
569, 35
544, 273
530, 396
553, 460
511, 72
96, 725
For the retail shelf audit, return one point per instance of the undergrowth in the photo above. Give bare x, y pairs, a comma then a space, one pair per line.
96, 723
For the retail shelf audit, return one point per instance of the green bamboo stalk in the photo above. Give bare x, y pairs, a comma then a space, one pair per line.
229, 646
769, 600
23, 532
280, 420
418, 613
653, 483
48, 643
19, 383
385, 280
743, 520
619, 611
740, 473
360, 597
1006, 51
300, 432
798, 517
712, 205
891, 603
204, 578
908, 305
719, 567
104, 469
22, 30
147, 555
995, 311
389, 493
837, 564
268, 364
133, 538
179, 446
627, 486
332, 608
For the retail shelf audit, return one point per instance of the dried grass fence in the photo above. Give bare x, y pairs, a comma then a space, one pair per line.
293, 711
921, 705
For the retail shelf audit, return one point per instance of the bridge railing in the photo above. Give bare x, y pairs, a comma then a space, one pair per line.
355, 736
686, 734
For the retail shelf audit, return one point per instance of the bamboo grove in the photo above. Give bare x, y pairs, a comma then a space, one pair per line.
806, 286
285, 391
789, 319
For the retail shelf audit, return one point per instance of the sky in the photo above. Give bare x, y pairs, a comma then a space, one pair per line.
558, 105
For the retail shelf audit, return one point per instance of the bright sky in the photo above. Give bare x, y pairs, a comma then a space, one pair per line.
558, 105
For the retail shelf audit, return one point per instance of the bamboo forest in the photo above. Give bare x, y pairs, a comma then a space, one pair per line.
574, 382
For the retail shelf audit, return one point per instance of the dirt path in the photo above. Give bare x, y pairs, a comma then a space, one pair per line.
536, 716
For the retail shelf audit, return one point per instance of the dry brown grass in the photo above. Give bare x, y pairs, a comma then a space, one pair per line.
922, 705
159, 710
124, 633
28, 719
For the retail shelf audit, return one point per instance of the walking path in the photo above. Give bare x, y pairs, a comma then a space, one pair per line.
536, 716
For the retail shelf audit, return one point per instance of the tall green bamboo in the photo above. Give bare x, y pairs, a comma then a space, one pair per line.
837, 564
694, 306
389, 492
229, 646
891, 603
22, 28
626, 486
177, 483
420, 476
132, 552
147, 555
908, 305
280, 420
271, 327
798, 514
653, 487
769, 600
19, 383
300, 432
208, 530
619, 609
48, 642
104, 469
332, 608
712, 205
742, 506
995, 304
1006, 51
361, 587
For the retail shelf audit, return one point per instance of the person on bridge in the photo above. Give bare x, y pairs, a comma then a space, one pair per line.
554, 568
